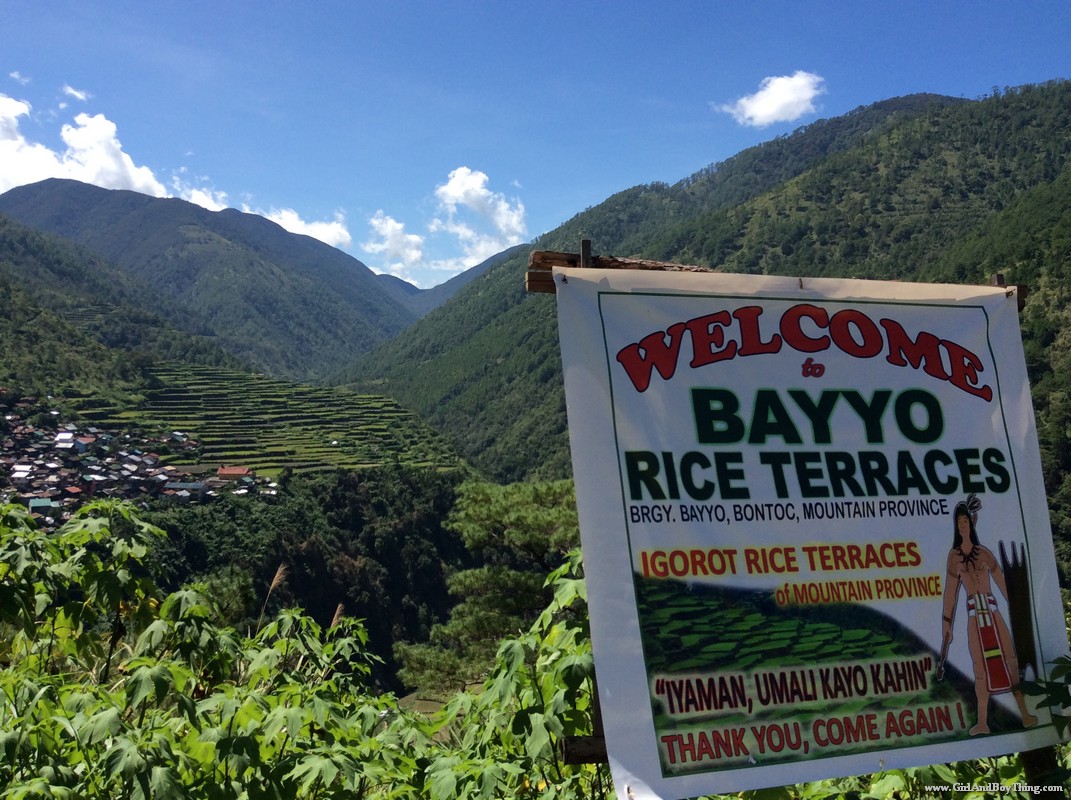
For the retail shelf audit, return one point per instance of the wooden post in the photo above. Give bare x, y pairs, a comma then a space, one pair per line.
541, 262
587, 749
1022, 290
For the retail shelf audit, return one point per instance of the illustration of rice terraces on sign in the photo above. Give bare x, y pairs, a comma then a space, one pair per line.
727, 667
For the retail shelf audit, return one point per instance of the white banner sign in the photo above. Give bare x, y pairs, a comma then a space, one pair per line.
814, 525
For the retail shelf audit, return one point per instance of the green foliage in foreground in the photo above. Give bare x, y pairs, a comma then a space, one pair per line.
109, 689
516, 534
372, 540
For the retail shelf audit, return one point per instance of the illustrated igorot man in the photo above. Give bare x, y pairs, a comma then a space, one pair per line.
991, 645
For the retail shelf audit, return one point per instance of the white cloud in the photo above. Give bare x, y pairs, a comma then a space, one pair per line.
401, 251
94, 154
477, 246
206, 198
479, 221
468, 188
203, 196
333, 232
21, 161
18, 77
783, 98
77, 94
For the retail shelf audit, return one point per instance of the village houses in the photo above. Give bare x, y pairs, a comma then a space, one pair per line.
54, 470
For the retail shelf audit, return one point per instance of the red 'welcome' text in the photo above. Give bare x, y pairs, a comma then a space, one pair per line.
806, 328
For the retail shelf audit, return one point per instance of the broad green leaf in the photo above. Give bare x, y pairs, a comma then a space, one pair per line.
511, 654
537, 742
887, 784
145, 680
314, 770
442, 782
100, 726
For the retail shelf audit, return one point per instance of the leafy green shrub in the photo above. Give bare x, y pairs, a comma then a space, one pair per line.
110, 689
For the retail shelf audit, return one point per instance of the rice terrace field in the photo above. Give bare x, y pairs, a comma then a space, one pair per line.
267, 424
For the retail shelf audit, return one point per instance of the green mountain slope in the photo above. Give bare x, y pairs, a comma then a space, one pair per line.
890, 191
43, 354
284, 303
889, 206
74, 324
485, 369
73, 328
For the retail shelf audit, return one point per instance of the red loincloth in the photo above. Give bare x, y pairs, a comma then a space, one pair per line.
981, 607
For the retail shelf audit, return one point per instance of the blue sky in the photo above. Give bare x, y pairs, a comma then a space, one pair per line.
422, 137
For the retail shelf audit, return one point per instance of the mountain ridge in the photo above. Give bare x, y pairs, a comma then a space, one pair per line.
891, 190
284, 303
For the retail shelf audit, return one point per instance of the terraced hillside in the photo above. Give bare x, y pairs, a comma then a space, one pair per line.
267, 424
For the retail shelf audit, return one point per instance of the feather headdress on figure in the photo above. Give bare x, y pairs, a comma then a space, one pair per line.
972, 505
969, 508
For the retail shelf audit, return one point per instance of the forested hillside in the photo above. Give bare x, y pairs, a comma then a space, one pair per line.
908, 189
282, 303
74, 325
77, 337
484, 369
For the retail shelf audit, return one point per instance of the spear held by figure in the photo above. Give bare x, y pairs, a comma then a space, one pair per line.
946, 640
